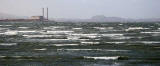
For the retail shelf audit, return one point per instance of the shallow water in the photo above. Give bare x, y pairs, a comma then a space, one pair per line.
79, 44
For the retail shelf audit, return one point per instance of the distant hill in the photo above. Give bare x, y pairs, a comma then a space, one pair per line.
102, 18
98, 18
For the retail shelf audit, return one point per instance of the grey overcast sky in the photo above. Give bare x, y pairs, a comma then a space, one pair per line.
83, 8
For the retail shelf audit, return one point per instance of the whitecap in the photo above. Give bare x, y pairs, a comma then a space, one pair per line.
8, 44
110, 28
103, 58
36, 36
93, 34
120, 24
6, 25
100, 28
112, 34
77, 28
90, 42
115, 42
86, 35
136, 28
121, 37
27, 31
149, 32
80, 49
59, 32
42, 49
2, 56
11, 33
149, 42
117, 50
73, 37
65, 44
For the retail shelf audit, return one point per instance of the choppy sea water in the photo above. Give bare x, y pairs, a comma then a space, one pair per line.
79, 44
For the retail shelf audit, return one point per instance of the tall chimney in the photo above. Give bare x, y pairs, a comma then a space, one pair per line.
43, 12
47, 13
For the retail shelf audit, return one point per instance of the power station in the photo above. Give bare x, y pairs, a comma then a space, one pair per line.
41, 18
43, 12
44, 17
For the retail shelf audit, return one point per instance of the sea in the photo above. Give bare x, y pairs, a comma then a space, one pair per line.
79, 44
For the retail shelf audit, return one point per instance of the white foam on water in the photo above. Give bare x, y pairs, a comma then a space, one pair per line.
2, 33
78, 36
27, 31
149, 42
120, 24
48, 28
8, 44
73, 37
56, 39
80, 49
144, 42
111, 35
47, 39
59, 32
65, 44
100, 28
36, 36
103, 58
117, 50
57, 26
92, 36
97, 39
110, 28
6, 25
115, 42
23, 27
135, 28
11, 32
94, 50
86, 35
2, 56
151, 26
54, 27
121, 37
17, 56
90, 42
149, 32
42, 49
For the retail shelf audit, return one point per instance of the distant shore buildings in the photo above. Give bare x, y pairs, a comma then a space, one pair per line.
37, 18
32, 18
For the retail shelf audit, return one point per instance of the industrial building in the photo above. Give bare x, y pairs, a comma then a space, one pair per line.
41, 18
32, 18
37, 18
